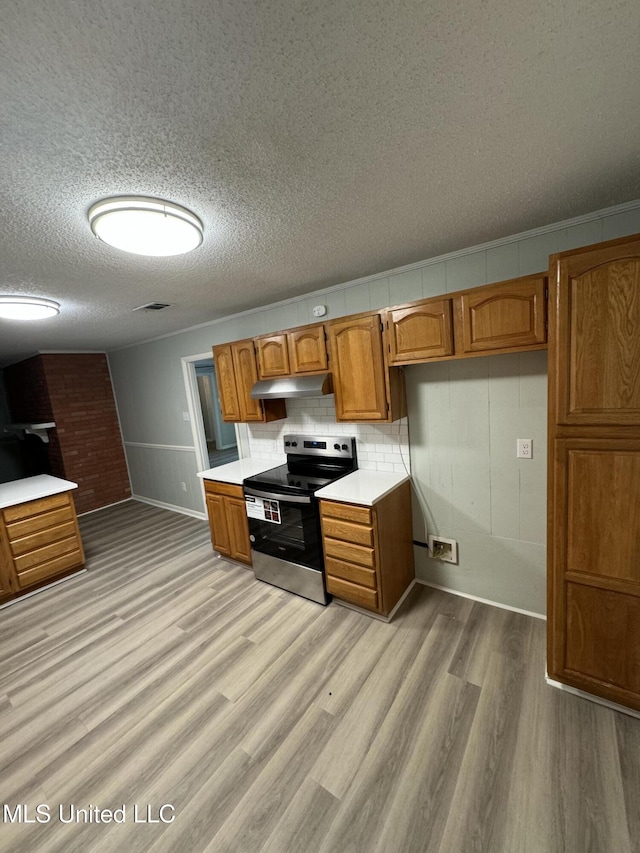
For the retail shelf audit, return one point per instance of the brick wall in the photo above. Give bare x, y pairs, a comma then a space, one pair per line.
74, 390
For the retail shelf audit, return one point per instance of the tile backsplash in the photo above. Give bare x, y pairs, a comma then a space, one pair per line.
381, 447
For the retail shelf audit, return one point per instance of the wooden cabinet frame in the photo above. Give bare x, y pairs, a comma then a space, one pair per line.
366, 389
594, 470
509, 316
228, 520
40, 542
236, 374
369, 550
294, 352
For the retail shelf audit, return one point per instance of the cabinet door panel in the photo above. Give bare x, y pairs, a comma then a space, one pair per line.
421, 332
499, 316
238, 529
225, 377
246, 372
594, 570
308, 350
603, 513
218, 524
598, 341
273, 357
358, 369
602, 631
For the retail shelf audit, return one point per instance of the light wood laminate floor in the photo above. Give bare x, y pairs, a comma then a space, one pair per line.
166, 675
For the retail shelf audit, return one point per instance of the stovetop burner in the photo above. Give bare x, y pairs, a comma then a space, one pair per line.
312, 463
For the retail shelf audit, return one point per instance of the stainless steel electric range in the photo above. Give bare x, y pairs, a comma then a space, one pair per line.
284, 515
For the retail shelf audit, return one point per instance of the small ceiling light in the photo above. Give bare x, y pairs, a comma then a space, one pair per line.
27, 308
145, 226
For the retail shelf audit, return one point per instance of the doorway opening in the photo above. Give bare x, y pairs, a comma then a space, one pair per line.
215, 441
220, 437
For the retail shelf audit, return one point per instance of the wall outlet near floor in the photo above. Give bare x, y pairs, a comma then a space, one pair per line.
443, 549
524, 448
183, 486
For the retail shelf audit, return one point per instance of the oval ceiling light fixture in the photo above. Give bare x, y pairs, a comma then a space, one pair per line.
145, 226
27, 308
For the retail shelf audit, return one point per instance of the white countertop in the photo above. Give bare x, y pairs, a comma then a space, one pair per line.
362, 487
236, 472
32, 488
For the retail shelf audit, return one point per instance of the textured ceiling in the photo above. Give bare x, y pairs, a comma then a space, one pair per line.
318, 142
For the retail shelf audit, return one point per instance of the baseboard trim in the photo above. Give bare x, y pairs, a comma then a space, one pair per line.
483, 600
100, 508
172, 507
598, 700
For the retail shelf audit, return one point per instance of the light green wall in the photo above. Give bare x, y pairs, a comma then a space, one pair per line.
464, 416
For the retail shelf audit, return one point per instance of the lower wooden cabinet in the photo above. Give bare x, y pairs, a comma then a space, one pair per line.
39, 542
228, 520
369, 550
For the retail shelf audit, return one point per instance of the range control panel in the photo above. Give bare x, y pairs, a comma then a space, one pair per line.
333, 445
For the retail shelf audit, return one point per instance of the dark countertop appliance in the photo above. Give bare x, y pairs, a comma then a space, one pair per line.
284, 516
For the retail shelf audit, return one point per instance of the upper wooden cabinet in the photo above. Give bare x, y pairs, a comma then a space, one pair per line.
511, 314
594, 470
365, 388
420, 331
308, 349
226, 379
598, 318
273, 356
297, 351
236, 374
504, 317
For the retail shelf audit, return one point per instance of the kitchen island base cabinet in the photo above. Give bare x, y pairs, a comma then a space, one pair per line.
39, 543
228, 520
369, 550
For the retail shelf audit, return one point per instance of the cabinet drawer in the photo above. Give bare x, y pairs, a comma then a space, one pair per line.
353, 593
350, 512
50, 569
43, 537
351, 553
350, 572
45, 554
348, 531
213, 487
20, 529
25, 510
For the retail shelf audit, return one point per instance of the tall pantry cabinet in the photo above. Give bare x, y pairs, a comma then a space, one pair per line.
594, 470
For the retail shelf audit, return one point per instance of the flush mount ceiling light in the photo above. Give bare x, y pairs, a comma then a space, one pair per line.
27, 308
145, 226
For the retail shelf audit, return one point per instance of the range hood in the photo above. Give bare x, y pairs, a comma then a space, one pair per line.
293, 386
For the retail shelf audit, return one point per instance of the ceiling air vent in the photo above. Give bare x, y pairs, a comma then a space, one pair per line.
153, 306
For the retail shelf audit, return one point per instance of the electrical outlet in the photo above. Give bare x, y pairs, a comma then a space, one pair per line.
183, 486
185, 417
524, 448
443, 549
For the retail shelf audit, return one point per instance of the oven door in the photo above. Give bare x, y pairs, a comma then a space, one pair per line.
285, 526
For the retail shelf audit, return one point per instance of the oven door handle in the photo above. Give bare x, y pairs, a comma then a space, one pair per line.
276, 496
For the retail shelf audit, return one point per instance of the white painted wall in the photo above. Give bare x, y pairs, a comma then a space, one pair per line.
464, 416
